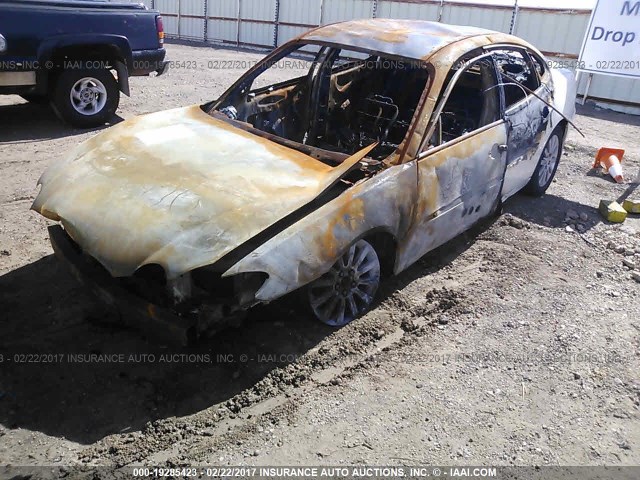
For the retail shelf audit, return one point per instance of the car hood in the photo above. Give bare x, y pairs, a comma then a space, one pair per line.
177, 188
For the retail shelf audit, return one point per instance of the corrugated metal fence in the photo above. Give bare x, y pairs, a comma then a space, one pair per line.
270, 23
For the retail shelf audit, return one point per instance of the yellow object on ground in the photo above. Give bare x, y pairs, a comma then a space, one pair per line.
632, 206
612, 211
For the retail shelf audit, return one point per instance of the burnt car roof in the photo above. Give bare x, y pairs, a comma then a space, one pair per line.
415, 39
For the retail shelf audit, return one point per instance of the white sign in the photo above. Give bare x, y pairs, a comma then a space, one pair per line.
612, 42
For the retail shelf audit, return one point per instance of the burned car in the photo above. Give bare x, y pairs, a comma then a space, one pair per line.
392, 138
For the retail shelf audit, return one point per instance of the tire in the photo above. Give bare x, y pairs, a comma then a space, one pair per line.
85, 98
35, 98
547, 165
347, 290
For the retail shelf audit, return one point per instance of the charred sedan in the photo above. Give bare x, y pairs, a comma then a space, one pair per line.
389, 139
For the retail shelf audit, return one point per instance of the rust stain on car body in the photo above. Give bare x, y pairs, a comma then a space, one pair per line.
385, 31
190, 187
229, 189
308, 248
411, 39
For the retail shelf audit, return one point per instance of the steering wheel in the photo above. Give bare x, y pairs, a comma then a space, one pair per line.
271, 102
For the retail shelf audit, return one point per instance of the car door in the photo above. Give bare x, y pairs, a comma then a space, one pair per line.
462, 163
526, 115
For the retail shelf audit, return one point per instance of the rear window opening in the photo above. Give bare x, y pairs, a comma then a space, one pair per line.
337, 101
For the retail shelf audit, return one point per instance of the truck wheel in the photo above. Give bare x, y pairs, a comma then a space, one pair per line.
35, 98
85, 98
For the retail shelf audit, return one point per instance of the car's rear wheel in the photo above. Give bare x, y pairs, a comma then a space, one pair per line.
547, 165
86, 98
347, 290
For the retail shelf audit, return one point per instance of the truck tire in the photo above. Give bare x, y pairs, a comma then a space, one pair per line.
35, 98
85, 98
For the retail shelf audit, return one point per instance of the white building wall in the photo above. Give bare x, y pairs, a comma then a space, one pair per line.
269, 23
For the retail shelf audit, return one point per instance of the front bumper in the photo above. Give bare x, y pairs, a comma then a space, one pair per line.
155, 321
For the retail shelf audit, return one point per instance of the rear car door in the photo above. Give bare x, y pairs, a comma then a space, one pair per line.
462, 163
526, 115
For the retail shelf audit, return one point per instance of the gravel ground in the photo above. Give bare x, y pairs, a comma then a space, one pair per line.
517, 343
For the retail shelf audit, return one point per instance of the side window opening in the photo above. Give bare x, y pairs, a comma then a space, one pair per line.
514, 65
473, 102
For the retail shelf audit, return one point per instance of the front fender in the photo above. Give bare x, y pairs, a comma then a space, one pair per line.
307, 249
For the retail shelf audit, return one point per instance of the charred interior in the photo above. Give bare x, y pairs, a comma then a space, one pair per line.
343, 102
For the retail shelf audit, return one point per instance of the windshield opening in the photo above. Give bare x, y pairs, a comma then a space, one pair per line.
331, 98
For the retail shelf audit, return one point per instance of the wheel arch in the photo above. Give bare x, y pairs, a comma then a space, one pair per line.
114, 50
385, 243
563, 125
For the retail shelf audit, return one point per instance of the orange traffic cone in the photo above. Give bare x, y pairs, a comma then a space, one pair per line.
610, 159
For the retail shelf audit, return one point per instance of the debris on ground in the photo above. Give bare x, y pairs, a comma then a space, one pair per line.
631, 205
612, 211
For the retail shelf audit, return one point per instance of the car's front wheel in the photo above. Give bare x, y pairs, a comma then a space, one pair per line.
347, 290
85, 98
547, 165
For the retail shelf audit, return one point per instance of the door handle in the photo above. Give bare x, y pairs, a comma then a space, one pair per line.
502, 148
545, 112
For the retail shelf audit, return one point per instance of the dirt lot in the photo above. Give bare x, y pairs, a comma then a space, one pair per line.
516, 343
